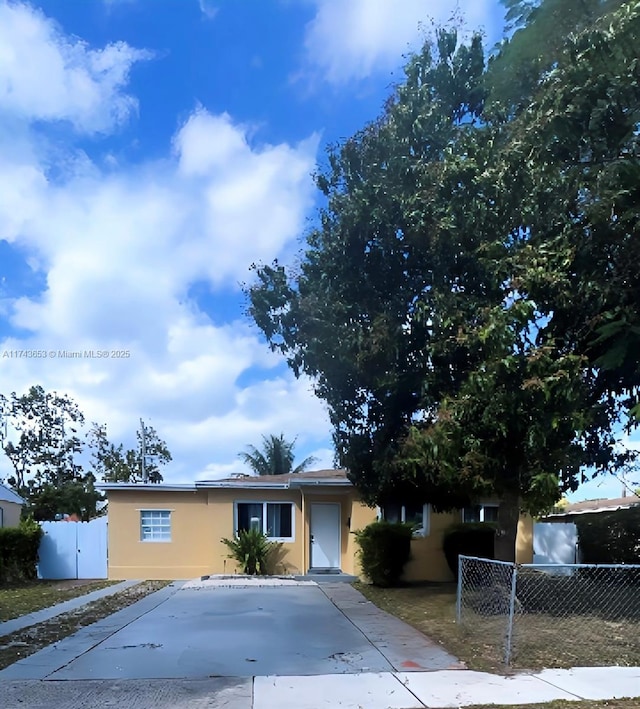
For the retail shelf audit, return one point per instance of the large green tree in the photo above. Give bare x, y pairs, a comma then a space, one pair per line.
357, 316
275, 458
574, 158
435, 305
550, 400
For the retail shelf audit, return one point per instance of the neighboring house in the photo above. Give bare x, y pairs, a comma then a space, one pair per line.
588, 531
10, 507
577, 509
164, 531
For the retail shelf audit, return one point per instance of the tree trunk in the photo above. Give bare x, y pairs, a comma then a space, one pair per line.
508, 516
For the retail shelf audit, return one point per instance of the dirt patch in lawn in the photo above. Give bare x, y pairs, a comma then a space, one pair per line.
539, 640
25, 642
30, 596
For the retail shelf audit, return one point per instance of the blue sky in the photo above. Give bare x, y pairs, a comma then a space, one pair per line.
151, 151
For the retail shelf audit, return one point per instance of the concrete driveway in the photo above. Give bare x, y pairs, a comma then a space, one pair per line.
212, 629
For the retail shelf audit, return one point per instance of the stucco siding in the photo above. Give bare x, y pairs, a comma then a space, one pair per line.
361, 516
185, 556
221, 504
524, 540
428, 562
199, 520
345, 499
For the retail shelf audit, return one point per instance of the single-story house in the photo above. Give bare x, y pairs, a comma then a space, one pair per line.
10, 507
592, 531
165, 531
577, 509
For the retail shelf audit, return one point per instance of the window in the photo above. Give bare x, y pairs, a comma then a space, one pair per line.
480, 513
416, 515
155, 525
275, 519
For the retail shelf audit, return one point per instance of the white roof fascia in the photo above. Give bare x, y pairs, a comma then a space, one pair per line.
145, 486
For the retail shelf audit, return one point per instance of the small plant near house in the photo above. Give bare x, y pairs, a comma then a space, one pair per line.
385, 548
252, 550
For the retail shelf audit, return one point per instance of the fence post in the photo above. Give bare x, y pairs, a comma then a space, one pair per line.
512, 604
459, 592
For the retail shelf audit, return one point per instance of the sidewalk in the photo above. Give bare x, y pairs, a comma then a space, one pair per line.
443, 689
24, 621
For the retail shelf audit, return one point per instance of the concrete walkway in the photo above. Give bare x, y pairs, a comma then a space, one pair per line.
445, 688
393, 690
24, 621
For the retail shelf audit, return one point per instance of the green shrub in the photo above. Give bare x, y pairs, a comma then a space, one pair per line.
19, 551
385, 548
252, 550
610, 537
468, 539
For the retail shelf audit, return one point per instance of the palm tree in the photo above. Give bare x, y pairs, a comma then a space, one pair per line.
275, 458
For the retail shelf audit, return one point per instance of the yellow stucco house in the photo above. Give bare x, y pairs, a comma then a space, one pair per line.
159, 531
10, 507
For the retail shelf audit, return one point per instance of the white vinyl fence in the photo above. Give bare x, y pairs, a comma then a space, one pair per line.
73, 550
555, 543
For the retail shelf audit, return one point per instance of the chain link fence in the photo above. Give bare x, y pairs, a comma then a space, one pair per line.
551, 614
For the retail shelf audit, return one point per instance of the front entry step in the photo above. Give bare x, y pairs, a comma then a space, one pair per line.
326, 576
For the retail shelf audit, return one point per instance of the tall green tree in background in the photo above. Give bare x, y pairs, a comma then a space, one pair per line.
468, 303
56, 464
46, 454
115, 464
275, 458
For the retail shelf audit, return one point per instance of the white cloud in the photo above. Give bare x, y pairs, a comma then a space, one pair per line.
120, 252
45, 75
120, 248
208, 9
351, 40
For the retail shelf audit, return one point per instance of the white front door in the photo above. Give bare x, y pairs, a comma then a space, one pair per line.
325, 535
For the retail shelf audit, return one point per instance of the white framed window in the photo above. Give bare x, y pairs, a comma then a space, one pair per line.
275, 519
481, 513
155, 525
417, 515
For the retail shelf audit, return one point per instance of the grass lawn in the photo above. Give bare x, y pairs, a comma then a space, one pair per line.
540, 640
30, 596
25, 642
432, 610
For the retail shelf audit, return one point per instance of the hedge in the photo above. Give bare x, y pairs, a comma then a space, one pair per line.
468, 539
19, 552
609, 537
385, 548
